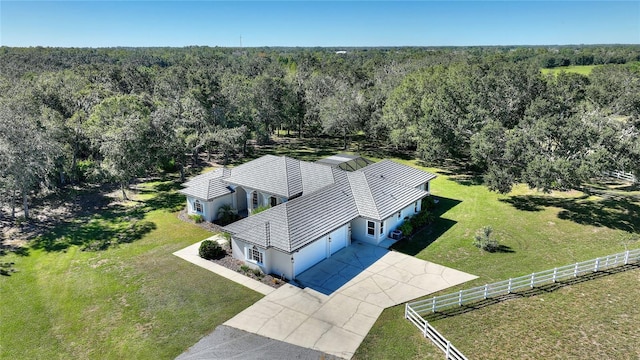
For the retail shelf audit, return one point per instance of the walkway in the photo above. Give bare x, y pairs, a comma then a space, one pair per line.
360, 281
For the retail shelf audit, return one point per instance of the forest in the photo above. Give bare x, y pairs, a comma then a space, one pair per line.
83, 115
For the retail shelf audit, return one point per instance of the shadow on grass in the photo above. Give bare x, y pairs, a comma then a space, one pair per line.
619, 213
423, 238
539, 290
116, 225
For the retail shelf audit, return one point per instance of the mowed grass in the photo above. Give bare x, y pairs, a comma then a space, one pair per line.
132, 301
578, 69
539, 232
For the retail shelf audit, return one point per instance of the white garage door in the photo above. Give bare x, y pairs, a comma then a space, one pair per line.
310, 255
338, 239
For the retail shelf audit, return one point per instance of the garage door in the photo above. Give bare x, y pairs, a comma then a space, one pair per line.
310, 255
338, 239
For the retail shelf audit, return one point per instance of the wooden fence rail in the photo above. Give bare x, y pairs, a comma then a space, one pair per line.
415, 310
621, 175
428, 331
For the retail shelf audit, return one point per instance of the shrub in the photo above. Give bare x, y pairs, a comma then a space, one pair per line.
406, 228
227, 214
260, 209
197, 218
257, 273
244, 268
484, 240
428, 203
210, 250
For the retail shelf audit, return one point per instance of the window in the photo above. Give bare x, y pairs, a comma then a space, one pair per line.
254, 199
415, 207
254, 254
371, 228
382, 227
274, 201
399, 214
197, 206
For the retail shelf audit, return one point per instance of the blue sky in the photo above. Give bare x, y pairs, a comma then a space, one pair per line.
317, 23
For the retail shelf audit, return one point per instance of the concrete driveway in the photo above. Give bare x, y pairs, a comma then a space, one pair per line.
344, 296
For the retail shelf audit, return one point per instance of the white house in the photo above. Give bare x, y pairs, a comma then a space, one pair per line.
316, 208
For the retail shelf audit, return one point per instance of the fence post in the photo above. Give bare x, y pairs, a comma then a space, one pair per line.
533, 279
509, 287
424, 331
486, 289
555, 273
460, 298
575, 271
626, 257
448, 352
406, 310
433, 306
595, 269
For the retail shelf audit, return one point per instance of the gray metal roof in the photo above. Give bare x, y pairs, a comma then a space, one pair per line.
282, 176
298, 222
331, 197
398, 173
209, 185
378, 198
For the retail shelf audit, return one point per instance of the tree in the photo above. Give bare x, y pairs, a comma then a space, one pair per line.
26, 151
341, 112
121, 129
65, 110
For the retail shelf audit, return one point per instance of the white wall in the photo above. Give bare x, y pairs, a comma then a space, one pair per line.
393, 222
359, 226
359, 231
209, 208
239, 247
279, 263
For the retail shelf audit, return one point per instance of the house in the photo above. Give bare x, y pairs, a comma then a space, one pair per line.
316, 209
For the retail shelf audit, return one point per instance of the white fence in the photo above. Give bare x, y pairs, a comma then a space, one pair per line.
528, 281
450, 351
621, 175
414, 310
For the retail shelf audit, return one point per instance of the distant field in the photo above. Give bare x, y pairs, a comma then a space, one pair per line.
578, 69
593, 319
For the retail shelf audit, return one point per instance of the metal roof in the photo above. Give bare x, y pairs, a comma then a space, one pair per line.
375, 194
398, 173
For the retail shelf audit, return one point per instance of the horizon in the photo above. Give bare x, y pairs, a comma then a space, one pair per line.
320, 24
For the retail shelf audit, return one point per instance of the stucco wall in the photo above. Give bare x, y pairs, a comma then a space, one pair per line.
239, 252
359, 231
279, 263
209, 208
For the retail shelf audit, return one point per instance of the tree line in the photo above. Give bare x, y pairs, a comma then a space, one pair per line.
85, 115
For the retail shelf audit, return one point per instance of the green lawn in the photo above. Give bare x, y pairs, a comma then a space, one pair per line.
539, 232
134, 300
578, 69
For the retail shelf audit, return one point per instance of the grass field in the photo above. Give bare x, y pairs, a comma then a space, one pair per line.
578, 69
539, 232
132, 301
